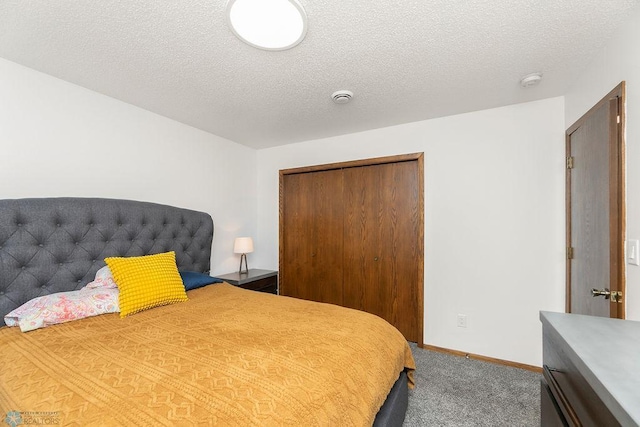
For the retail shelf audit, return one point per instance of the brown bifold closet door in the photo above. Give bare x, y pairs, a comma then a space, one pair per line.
381, 247
311, 256
352, 234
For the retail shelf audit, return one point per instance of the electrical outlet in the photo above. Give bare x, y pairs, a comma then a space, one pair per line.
462, 320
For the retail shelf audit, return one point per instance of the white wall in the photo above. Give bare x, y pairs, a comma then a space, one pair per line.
618, 60
58, 139
494, 219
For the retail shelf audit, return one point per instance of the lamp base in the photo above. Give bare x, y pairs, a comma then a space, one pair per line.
246, 266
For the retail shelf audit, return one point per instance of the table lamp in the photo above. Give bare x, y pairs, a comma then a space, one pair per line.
244, 246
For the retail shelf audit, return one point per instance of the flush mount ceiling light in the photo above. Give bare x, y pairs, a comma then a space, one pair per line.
268, 24
531, 79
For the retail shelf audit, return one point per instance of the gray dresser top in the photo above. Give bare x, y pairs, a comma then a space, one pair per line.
607, 353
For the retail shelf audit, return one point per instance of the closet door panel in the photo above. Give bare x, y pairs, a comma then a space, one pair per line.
361, 240
389, 215
326, 230
402, 237
382, 243
312, 247
297, 217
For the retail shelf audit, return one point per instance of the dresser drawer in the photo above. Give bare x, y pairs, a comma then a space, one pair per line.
254, 280
569, 390
551, 414
268, 284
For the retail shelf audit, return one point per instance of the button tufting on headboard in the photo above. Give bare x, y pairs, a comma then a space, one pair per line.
58, 244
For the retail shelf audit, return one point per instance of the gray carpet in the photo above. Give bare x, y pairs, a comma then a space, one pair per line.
454, 391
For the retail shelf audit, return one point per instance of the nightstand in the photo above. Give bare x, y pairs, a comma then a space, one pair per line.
255, 280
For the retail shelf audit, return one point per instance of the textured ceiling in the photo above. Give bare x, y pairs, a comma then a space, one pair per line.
405, 60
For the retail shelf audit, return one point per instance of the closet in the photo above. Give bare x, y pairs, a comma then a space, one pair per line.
352, 234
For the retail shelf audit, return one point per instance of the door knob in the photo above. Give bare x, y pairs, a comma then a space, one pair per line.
604, 292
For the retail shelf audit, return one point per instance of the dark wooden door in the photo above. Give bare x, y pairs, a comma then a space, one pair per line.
311, 262
362, 248
352, 234
382, 247
595, 214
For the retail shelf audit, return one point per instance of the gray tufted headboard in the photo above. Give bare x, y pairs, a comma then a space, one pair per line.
58, 244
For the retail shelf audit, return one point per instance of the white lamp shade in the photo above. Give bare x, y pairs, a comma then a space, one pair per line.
243, 245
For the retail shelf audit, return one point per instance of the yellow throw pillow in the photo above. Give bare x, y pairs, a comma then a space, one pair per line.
146, 281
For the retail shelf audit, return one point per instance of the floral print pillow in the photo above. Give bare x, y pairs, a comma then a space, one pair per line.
63, 307
103, 279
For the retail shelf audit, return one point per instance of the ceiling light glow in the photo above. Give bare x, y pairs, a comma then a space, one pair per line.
268, 24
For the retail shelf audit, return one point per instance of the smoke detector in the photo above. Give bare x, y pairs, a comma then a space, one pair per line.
342, 96
531, 79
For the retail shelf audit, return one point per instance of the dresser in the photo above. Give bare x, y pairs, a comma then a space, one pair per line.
591, 371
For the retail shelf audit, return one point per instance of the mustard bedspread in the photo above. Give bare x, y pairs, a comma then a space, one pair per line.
227, 357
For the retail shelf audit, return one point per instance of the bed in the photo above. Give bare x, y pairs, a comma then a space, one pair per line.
227, 356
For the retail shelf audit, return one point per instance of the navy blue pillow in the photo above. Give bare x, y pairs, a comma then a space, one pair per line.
193, 280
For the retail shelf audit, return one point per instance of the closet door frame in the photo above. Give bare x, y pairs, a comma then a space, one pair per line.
417, 157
